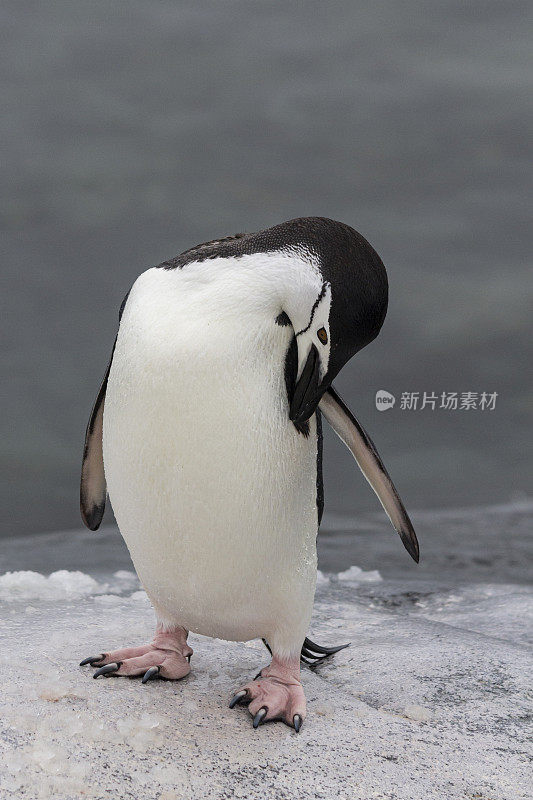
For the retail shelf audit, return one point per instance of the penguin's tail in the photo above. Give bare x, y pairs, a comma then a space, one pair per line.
312, 654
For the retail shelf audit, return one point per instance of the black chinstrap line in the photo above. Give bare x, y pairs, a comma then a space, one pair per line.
314, 308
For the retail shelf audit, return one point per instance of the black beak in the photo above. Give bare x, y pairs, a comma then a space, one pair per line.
306, 396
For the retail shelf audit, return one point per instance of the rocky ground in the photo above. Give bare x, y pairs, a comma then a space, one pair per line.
430, 701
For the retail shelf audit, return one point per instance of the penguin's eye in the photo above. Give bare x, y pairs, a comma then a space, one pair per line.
322, 335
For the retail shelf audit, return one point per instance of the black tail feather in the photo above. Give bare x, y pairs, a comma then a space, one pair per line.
327, 651
312, 653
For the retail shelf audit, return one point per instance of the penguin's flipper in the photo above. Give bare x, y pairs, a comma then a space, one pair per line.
93, 488
364, 451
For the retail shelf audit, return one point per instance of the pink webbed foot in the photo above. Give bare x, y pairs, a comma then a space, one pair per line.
276, 694
167, 657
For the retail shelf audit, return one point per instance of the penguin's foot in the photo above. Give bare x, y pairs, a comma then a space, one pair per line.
168, 657
275, 694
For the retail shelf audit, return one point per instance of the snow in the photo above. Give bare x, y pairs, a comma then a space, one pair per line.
61, 585
357, 575
321, 578
27, 585
430, 700
65, 584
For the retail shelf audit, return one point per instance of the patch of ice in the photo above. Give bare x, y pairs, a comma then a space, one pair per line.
357, 575
124, 581
139, 597
55, 689
108, 599
141, 732
418, 713
171, 775
17, 762
49, 758
61, 585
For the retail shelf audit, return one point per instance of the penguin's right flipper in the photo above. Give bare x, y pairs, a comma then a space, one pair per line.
93, 488
365, 453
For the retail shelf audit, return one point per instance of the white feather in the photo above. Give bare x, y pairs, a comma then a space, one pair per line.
212, 487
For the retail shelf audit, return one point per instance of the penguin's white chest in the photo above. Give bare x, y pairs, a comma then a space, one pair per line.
212, 487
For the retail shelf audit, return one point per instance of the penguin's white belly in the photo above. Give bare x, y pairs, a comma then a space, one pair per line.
212, 487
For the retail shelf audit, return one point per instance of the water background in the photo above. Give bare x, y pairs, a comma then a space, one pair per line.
132, 131
459, 548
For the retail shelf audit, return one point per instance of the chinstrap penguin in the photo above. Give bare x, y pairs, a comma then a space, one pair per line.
206, 432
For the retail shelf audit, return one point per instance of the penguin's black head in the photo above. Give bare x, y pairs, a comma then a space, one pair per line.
329, 284
346, 313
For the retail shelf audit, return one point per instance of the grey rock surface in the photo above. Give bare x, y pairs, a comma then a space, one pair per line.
431, 699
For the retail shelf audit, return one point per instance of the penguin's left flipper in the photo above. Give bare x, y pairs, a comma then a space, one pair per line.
93, 487
364, 451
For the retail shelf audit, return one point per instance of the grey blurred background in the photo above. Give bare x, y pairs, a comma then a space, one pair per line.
131, 131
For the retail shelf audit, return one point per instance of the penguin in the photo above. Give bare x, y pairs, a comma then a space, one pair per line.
206, 434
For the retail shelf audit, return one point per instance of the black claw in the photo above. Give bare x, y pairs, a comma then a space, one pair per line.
267, 646
297, 721
237, 698
261, 714
150, 673
107, 669
92, 660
